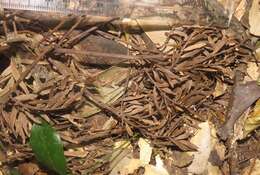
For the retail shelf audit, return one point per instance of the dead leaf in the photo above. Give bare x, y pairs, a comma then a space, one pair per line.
258, 53
254, 16
80, 152
121, 157
109, 124
220, 89
255, 169
158, 37
253, 120
26, 97
22, 126
180, 159
195, 46
128, 164
247, 93
241, 9
28, 168
158, 169
204, 143
107, 95
145, 151
253, 71
213, 170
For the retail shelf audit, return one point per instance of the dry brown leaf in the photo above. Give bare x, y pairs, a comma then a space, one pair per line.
129, 130
4, 93
180, 159
109, 124
220, 89
218, 46
61, 68
22, 126
32, 117
241, 9
190, 54
26, 97
28, 168
111, 76
81, 153
195, 46
16, 74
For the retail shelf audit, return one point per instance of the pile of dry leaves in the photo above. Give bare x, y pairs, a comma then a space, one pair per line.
97, 86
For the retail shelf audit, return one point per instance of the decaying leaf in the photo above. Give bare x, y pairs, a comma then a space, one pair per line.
253, 120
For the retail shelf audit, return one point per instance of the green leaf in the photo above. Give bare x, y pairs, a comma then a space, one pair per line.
48, 148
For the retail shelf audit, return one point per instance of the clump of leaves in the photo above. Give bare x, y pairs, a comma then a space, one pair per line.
48, 148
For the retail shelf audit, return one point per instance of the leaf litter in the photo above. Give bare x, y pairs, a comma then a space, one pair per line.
156, 97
